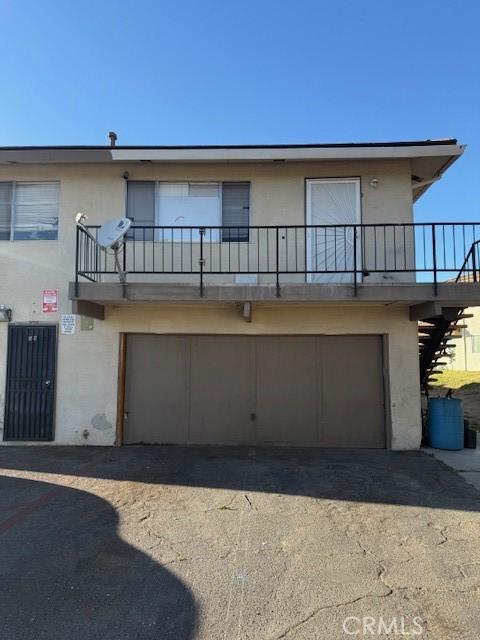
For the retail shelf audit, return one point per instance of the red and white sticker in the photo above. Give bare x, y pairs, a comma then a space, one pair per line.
50, 300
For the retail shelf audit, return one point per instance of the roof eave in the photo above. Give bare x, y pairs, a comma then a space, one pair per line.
417, 193
252, 153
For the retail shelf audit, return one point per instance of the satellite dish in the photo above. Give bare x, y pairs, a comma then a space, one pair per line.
112, 233
110, 236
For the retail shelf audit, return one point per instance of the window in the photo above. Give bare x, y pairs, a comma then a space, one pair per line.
191, 204
235, 211
141, 208
475, 344
29, 210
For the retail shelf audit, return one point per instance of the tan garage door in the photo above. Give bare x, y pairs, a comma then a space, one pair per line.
303, 390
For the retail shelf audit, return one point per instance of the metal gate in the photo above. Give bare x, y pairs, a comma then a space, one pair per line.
30, 389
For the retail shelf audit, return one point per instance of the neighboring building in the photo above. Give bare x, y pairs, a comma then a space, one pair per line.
465, 356
272, 293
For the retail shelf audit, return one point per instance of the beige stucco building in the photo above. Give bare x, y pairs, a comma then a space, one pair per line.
272, 294
465, 356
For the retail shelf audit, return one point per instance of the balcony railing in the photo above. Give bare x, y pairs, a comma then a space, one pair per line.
373, 253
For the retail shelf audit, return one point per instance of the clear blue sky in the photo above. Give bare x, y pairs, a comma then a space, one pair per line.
213, 72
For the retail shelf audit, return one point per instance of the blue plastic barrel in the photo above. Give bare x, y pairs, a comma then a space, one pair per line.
445, 423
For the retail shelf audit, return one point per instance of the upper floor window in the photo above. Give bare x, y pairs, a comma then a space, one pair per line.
29, 210
192, 204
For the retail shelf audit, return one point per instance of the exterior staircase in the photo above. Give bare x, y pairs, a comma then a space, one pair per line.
436, 336
437, 333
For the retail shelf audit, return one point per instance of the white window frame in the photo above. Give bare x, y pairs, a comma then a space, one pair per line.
14, 184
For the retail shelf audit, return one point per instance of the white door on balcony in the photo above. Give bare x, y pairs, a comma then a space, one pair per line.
333, 206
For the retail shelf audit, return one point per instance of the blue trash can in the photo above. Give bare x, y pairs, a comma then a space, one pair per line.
445, 423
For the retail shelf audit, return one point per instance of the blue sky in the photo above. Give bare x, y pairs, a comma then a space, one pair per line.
215, 72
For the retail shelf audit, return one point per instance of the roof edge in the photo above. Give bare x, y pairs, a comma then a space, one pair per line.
326, 145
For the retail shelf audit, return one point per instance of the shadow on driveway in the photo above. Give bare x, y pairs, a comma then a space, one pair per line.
272, 543
66, 574
369, 476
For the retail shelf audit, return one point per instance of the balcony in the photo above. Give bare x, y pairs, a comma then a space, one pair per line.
373, 263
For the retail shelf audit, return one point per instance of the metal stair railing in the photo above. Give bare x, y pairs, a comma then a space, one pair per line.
435, 339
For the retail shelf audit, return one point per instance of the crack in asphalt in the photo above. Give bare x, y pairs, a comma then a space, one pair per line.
313, 613
381, 572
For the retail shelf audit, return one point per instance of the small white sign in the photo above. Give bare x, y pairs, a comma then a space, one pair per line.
68, 324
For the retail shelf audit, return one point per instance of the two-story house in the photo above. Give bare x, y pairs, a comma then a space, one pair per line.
263, 295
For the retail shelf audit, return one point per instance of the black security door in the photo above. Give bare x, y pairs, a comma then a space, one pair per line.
30, 390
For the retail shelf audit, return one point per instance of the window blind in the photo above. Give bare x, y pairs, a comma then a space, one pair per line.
191, 204
36, 211
203, 189
141, 208
235, 211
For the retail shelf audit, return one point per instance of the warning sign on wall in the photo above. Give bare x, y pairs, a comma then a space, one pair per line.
50, 300
68, 324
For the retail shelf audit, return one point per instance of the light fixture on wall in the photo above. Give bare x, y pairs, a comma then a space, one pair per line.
373, 183
81, 218
5, 313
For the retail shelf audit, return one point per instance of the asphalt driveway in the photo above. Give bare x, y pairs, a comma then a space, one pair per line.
232, 543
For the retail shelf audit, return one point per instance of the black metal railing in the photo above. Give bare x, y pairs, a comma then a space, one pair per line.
376, 253
469, 269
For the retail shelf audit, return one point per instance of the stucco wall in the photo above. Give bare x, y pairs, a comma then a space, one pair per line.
277, 197
464, 357
87, 366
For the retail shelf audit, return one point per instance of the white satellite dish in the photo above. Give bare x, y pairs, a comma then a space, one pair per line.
110, 236
112, 233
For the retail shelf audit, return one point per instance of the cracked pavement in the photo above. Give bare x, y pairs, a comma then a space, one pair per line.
233, 543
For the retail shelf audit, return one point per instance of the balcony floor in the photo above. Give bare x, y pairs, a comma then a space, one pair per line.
113, 294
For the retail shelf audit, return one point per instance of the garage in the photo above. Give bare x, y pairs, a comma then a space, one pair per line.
322, 391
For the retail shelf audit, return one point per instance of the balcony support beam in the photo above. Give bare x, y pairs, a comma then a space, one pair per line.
432, 309
89, 309
425, 310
